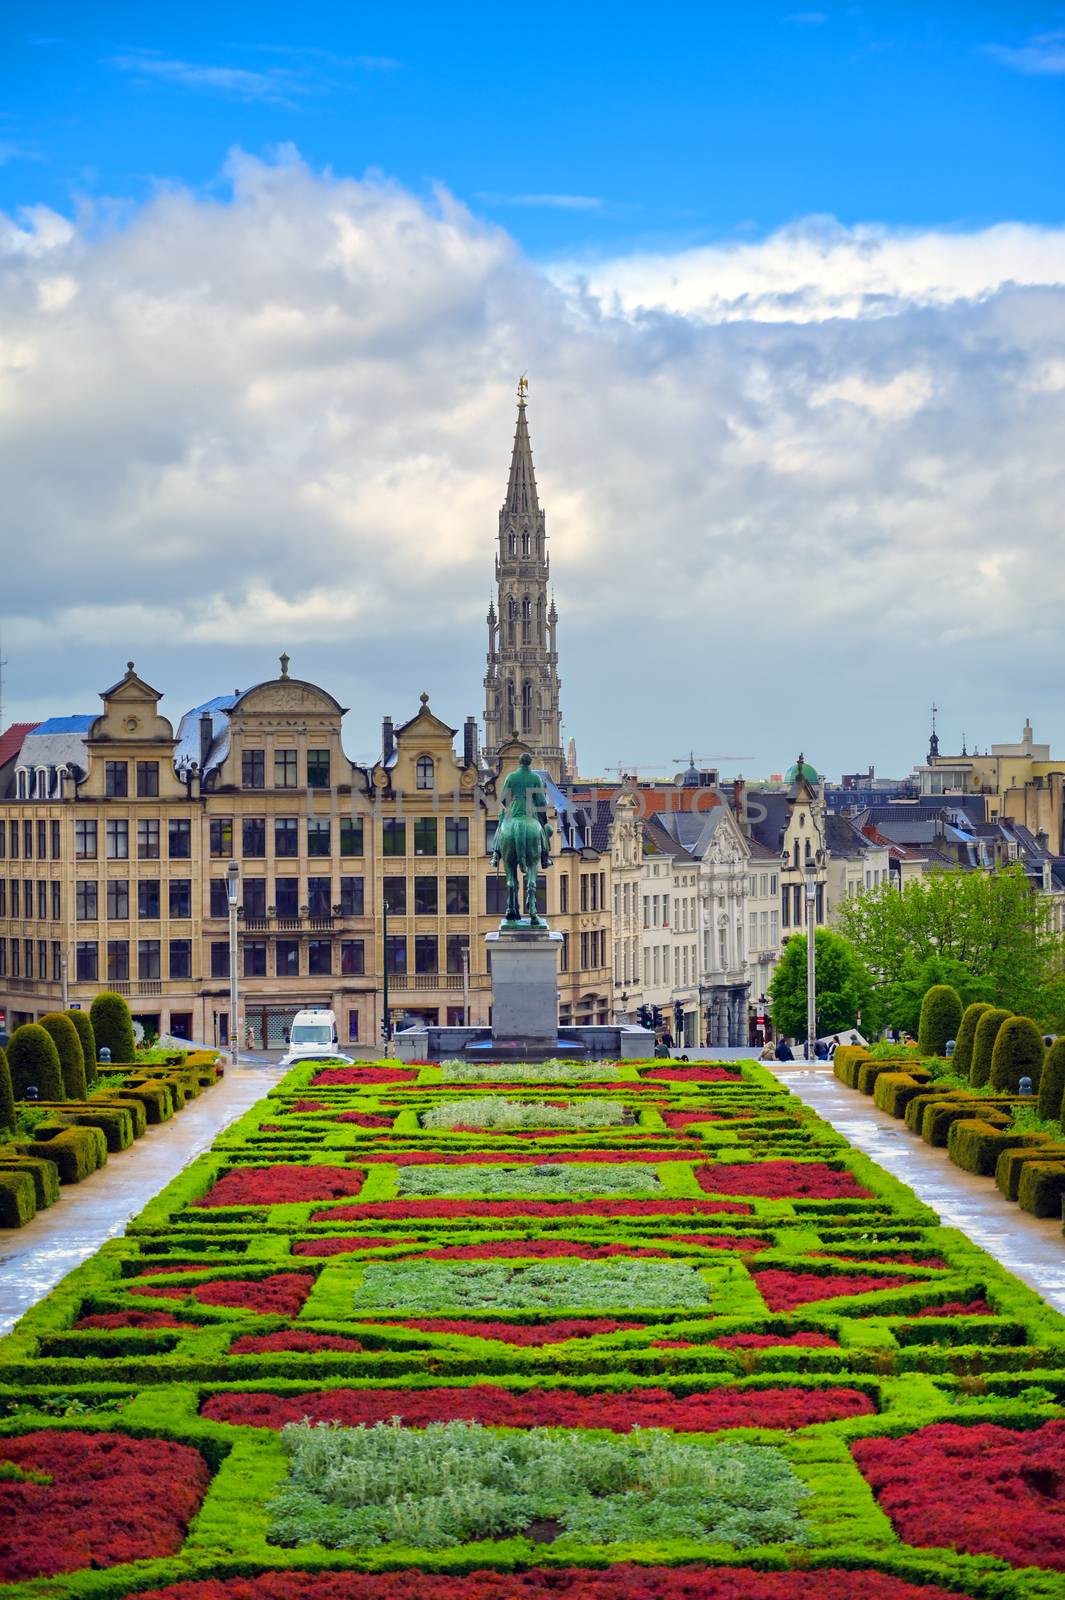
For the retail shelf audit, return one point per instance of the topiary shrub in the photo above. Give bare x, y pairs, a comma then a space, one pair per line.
1052, 1083
77, 1152
1041, 1189
87, 1039
113, 1027
1018, 1054
975, 1144
962, 1059
940, 1019
17, 1201
984, 1043
34, 1059
7, 1094
68, 1044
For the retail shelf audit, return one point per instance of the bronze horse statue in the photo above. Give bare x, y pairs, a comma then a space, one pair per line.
522, 840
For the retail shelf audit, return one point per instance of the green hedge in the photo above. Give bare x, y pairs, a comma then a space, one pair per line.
984, 1043
44, 1173
975, 1145
83, 1028
1018, 1053
7, 1094
18, 1202
940, 1019
895, 1090
1042, 1188
77, 1152
34, 1062
1052, 1083
112, 1027
64, 1036
1011, 1163
962, 1058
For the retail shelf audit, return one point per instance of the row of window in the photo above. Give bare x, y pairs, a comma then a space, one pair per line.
286, 769
22, 899
286, 831
44, 833
793, 905
147, 898
117, 837
762, 884
764, 930
593, 948
287, 899
116, 779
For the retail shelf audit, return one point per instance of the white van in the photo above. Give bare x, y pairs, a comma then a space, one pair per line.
313, 1033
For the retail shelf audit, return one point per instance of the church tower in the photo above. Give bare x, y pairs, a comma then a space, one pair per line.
521, 684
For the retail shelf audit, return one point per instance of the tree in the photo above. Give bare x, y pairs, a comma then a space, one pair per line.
7, 1094
1052, 1083
904, 998
112, 1026
1018, 1054
71, 1060
34, 1059
984, 1043
966, 1038
83, 1026
940, 1019
843, 987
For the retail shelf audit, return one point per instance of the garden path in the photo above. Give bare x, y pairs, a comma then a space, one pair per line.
1030, 1247
34, 1258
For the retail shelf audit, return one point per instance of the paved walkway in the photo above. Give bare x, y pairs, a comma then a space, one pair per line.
1032, 1248
34, 1258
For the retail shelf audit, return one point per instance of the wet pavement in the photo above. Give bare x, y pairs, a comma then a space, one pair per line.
34, 1258
1033, 1248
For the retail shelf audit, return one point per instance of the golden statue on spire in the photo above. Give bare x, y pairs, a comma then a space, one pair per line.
523, 389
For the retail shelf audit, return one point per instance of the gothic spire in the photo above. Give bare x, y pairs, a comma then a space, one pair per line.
521, 485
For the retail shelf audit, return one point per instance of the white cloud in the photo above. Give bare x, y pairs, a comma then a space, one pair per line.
229, 426
276, 85
553, 202
1042, 55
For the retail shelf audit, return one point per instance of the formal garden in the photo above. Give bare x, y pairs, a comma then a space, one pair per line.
606, 1331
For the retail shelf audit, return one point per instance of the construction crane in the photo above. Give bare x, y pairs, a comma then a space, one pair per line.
632, 769
692, 760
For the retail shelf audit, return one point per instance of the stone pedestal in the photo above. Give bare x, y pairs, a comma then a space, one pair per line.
524, 964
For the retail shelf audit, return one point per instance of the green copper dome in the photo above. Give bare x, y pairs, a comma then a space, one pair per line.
802, 769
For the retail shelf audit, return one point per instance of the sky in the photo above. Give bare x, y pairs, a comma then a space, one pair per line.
789, 286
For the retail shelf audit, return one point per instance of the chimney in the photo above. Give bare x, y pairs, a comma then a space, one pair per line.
739, 806
388, 739
206, 738
470, 752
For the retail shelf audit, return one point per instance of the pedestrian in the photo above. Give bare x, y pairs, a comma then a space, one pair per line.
820, 1050
834, 1046
783, 1051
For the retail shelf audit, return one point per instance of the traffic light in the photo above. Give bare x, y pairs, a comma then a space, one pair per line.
678, 1016
656, 1017
643, 1016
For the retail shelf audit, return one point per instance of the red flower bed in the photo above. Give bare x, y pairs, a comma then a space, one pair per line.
250, 1344
782, 1290
306, 1105
726, 1407
154, 1268
282, 1293
621, 1582
692, 1074
335, 1076
111, 1499
363, 1119
341, 1247
480, 1158
748, 1243
281, 1185
957, 1308
781, 1180
132, 1319
680, 1120
760, 1341
986, 1490
411, 1210
544, 1249
520, 1333
900, 1258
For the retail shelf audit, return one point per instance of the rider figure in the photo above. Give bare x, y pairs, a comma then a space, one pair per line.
523, 796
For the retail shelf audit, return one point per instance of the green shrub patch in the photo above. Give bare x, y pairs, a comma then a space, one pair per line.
572, 1285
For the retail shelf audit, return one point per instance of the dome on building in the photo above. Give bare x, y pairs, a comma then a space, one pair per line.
802, 769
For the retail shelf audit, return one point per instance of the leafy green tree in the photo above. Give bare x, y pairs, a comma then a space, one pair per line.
903, 999
843, 987
112, 1026
71, 1060
940, 1019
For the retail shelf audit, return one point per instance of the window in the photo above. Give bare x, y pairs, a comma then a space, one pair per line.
763, 928
3, 958
179, 838
219, 898
425, 836
458, 946
772, 883
221, 835
353, 1027
254, 897
148, 959
317, 769
148, 899
395, 891
148, 839
180, 897
118, 899
287, 958
57, 961
584, 896
394, 837
42, 900
563, 892
116, 779
84, 839
351, 836
56, 842
219, 959
426, 897
42, 840
287, 896
255, 958
457, 836
118, 840
351, 897
148, 779
785, 907
457, 897
489, 834
3, 897
84, 899
286, 836
57, 900
774, 932
16, 890
318, 836
180, 959
320, 958
424, 777
495, 895
14, 840
3, 837
319, 896
752, 938
285, 774
118, 960
395, 954
352, 958
426, 953
86, 961
253, 769
253, 836
16, 966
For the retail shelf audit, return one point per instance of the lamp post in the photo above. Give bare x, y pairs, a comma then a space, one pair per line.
232, 887
810, 870
63, 978
386, 1018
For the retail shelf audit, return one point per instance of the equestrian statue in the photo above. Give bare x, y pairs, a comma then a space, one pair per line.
523, 840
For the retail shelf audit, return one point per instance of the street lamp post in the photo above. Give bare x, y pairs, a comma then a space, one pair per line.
63, 978
232, 888
386, 1020
810, 871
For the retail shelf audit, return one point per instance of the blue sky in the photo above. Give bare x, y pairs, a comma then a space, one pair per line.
579, 128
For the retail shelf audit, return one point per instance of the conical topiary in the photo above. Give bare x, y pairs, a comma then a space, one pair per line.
940, 1019
986, 1033
112, 1026
7, 1094
71, 1060
962, 1059
1018, 1054
34, 1059
1052, 1083
81, 1022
